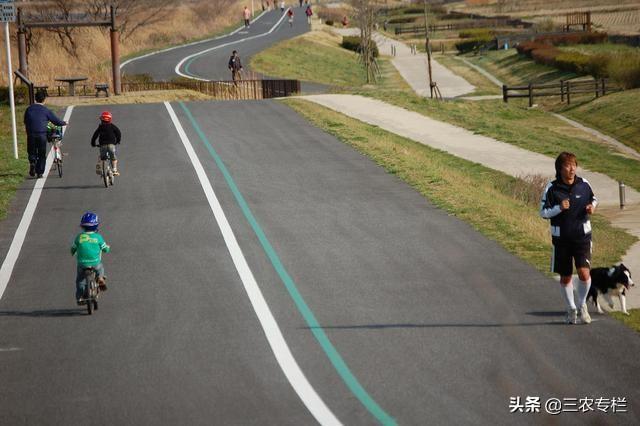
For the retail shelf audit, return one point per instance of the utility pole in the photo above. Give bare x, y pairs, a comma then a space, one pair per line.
427, 47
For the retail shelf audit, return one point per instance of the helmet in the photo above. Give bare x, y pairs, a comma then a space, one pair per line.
90, 221
106, 117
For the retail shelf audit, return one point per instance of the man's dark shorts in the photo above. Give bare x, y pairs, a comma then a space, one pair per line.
564, 254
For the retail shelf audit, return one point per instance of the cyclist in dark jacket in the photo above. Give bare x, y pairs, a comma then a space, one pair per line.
108, 136
568, 202
36, 119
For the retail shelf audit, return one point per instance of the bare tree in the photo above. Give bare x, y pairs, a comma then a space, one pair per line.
132, 14
58, 11
365, 12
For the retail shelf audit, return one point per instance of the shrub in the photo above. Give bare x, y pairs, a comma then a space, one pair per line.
572, 38
546, 55
572, 62
402, 20
20, 94
353, 43
625, 70
469, 45
527, 47
332, 14
329, 22
476, 32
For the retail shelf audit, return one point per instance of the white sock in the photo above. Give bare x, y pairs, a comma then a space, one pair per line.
583, 291
567, 293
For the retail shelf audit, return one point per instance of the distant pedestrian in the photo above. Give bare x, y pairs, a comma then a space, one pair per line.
309, 13
281, 5
300, 1
568, 201
246, 14
290, 16
345, 21
235, 66
36, 119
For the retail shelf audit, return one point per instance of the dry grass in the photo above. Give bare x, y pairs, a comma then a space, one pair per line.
186, 22
146, 97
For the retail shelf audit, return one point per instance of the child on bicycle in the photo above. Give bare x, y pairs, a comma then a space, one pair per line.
108, 136
89, 245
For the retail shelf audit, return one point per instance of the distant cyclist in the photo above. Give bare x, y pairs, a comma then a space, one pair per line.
89, 246
108, 136
290, 16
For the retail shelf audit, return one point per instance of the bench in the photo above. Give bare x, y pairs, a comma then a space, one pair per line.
41, 89
102, 87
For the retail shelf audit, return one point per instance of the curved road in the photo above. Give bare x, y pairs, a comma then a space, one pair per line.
211, 57
393, 310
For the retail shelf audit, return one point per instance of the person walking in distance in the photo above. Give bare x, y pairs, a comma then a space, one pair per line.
246, 14
309, 13
290, 16
235, 66
36, 119
281, 5
568, 201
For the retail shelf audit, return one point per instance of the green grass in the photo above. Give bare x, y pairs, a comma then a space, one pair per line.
632, 320
607, 48
472, 192
12, 171
512, 69
530, 129
313, 57
617, 115
482, 84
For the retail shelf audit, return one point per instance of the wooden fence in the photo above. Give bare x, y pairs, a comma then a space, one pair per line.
226, 90
564, 89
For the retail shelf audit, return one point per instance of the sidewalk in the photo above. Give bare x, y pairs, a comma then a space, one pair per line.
490, 153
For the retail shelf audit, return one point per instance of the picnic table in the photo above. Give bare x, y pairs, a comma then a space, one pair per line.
72, 82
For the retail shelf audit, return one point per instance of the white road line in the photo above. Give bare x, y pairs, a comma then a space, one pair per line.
177, 69
189, 44
283, 354
27, 215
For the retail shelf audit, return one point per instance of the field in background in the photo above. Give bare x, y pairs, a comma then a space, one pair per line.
195, 20
614, 16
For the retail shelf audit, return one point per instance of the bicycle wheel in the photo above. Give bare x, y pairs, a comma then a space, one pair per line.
59, 162
105, 174
111, 175
95, 305
89, 294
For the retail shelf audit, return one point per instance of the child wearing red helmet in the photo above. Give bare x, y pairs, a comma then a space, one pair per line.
108, 136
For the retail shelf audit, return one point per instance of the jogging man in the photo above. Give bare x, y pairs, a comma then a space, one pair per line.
568, 202
36, 119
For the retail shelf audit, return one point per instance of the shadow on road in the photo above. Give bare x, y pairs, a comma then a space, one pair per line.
45, 313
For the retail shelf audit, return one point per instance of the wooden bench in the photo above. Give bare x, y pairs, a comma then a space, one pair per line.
102, 87
41, 89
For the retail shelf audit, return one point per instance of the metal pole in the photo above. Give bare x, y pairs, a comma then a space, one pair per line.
622, 195
11, 100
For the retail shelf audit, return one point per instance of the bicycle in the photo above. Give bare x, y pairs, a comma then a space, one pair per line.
107, 169
55, 137
91, 290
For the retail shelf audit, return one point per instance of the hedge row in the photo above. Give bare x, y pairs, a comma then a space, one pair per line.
476, 32
475, 43
20, 94
572, 38
623, 69
353, 43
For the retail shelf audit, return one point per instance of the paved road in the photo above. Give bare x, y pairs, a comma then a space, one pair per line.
212, 65
436, 323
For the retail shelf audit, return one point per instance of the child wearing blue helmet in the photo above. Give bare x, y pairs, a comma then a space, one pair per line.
89, 246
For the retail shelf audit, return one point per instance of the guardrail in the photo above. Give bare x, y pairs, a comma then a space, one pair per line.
226, 90
564, 89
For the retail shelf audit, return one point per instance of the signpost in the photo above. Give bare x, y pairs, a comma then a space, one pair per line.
8, 14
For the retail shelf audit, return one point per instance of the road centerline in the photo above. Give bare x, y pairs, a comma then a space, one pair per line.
330, 351
276, 340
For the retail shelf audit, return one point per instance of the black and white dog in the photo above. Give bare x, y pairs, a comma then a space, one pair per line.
614, 281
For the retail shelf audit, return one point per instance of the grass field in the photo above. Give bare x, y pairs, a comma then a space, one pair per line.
12, 171
632, 320
478, 195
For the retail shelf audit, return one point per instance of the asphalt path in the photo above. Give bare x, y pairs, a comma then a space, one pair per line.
212, 64
436, 323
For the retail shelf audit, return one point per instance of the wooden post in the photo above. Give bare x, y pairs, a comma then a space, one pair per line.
561, 90
568, 93
604, 90
595, 81
505, 98
530, 95
115, 54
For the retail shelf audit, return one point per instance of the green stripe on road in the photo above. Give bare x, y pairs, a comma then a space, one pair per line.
331, 352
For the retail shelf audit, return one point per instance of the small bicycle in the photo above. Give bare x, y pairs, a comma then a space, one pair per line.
92, 290
54, 136
107, 170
